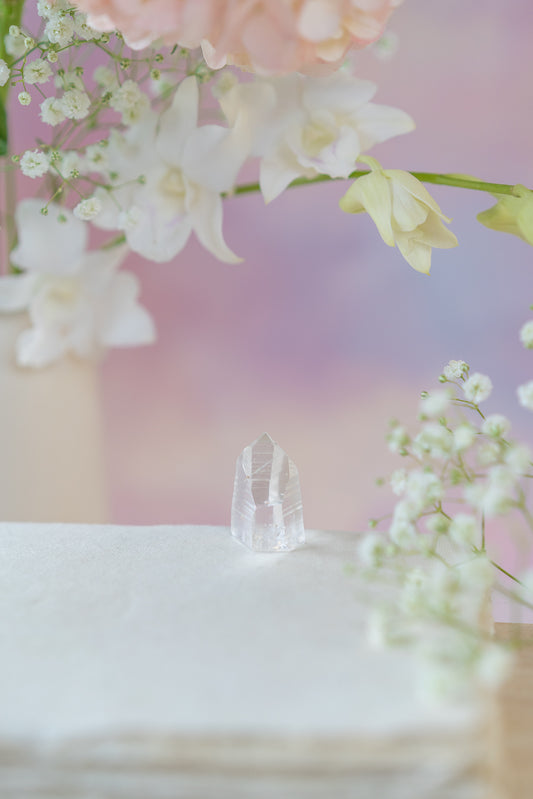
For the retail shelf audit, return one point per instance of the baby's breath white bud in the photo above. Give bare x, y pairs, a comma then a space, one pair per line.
398, 481
434, 440
398, 438
403, 533
84, 30
105, 78
71, 164
37, 71
14, 45
130, 102
463, 437
24, 98
423, 488
464, 529
454, 370
477, 573
75, 104
518, 458
69, 80
34, 164
437, 523
525, 395
478, 388
96, 158
371, 550
4, 72
88, 209
224, 84
526, 335
496, 425
52, 111
493, 665
489, 454
434, 404
52, 56
60, 29
45, 8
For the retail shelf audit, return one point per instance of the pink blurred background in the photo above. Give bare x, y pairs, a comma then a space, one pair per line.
324, 333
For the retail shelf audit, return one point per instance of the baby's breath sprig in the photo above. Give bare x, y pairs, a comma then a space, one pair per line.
462, 475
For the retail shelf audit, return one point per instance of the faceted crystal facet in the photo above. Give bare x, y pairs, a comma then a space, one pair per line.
266, 513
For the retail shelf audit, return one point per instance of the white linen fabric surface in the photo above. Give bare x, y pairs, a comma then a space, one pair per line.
177, 648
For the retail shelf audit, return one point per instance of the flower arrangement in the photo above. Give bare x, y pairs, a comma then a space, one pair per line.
148, 113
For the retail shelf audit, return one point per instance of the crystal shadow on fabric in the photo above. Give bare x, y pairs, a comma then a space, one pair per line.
266, 512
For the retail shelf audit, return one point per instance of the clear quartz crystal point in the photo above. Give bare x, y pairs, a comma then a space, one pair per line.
266, 512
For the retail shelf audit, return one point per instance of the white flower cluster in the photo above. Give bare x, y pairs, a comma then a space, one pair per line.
462, 474
525, 391
78, 301
134, 149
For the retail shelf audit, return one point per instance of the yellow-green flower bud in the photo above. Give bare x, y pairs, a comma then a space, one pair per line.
511, 214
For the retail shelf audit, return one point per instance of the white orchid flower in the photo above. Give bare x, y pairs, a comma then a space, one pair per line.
306, 126
78, 302
403, 210
185, 170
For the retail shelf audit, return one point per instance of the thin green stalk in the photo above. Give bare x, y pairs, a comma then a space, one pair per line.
459, 181
10, 14
507, 574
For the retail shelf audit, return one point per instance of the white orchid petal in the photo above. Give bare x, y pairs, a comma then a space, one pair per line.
158, 235
416, 188
351, 202
206, 215
46, 244
373, 192
408, 212
340, 93
213, 156
100, 265
124, 323
377, 123
249, 108
436, 234
16, 292
108, 218
416, 253
178, 122
276, 173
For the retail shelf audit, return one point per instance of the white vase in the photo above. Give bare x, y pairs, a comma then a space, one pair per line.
51, 442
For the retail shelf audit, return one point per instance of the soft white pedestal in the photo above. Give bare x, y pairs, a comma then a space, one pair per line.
171, 661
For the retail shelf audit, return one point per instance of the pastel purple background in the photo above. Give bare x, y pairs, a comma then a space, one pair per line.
324, 333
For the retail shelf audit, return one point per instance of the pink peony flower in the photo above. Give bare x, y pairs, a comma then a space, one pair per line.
267, 36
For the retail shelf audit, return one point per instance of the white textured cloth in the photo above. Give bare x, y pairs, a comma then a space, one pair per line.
132, 643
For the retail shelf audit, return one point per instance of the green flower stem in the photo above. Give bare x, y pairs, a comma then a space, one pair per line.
10, 14
115, 242
458, 181
507, 574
